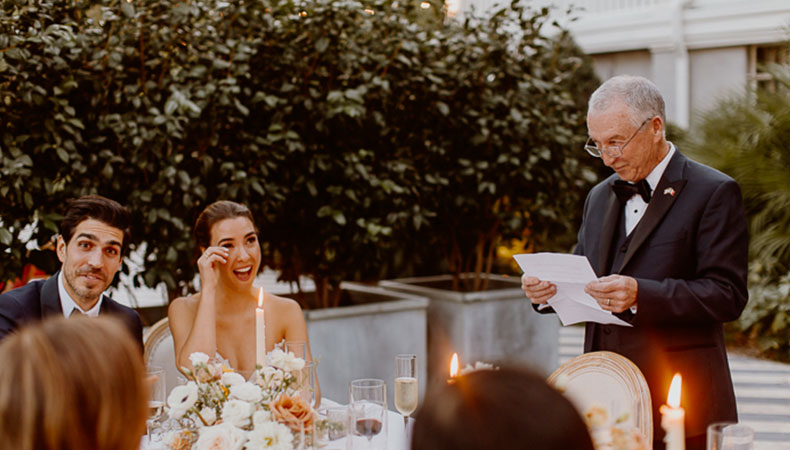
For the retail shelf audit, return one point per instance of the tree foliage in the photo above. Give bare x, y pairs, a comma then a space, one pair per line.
351, 129
746, 137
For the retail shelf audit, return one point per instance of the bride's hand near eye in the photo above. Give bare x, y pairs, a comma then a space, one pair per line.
209, 265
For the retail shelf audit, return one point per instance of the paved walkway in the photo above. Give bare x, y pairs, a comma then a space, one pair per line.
762, 391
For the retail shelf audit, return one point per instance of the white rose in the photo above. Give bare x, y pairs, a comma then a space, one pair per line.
237, 413
182, 398
285, 361
247, 392
270, 435
198, 358
260, 417
209, 415
221, 437
232, 379
270, 376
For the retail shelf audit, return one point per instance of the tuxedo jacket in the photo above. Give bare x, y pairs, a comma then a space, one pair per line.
40, 298
689, 256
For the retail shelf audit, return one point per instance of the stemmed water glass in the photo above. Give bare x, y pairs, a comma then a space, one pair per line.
406, 392
156, 398
368, 407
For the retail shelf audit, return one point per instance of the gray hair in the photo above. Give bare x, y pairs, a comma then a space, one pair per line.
640, 95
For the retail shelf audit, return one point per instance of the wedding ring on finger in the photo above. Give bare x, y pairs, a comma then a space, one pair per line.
608, 302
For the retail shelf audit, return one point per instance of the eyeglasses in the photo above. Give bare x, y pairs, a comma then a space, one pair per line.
615, 151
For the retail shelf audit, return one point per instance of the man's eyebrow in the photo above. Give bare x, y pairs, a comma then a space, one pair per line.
94, 238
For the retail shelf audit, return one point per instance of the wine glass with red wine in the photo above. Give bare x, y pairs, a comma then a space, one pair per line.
368, 407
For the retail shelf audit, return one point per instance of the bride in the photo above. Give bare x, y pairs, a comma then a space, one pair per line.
220, 319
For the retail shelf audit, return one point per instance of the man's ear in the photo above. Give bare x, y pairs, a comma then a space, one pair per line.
60, 248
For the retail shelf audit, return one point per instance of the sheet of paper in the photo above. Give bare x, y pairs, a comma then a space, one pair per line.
570, 273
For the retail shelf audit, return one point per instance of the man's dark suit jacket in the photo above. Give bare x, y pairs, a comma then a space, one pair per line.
40, 298
688, 254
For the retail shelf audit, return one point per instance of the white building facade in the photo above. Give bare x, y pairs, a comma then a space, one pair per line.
696, 51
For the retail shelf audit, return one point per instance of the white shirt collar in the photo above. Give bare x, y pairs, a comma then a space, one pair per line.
655, 175
67, 304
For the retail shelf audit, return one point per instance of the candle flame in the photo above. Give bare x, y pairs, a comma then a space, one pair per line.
454, 366
260, 298
673, 399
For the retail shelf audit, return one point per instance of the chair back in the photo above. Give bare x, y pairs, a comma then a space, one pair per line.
159, 351
609, 380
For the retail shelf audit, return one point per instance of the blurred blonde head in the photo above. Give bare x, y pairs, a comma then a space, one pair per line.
72, 384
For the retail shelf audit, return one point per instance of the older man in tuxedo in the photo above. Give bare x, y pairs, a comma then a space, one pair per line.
94, 234
667, 237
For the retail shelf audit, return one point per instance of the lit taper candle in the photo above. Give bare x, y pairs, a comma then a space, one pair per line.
672, 416
260, 332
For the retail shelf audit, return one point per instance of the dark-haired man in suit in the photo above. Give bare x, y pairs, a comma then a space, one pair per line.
668, 238
94, 235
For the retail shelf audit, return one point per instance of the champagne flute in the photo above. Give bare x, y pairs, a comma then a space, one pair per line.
155, 376
305, 382
368, 407
406, 385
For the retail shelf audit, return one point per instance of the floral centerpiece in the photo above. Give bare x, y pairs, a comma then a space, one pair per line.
219, 409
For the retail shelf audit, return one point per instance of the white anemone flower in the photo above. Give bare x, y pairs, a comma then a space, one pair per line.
182, 398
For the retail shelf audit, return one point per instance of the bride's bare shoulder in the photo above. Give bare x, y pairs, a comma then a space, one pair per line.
182, 306
283, 303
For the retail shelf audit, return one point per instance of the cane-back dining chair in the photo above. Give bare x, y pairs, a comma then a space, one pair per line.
159, 351
609, 380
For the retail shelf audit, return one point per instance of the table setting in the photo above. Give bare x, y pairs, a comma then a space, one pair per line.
275, 408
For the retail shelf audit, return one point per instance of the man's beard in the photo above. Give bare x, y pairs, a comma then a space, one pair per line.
84, 293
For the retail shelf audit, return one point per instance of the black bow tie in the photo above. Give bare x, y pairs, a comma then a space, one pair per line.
625, 190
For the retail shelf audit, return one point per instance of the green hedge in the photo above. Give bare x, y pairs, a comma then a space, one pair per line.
746, 137
353, 130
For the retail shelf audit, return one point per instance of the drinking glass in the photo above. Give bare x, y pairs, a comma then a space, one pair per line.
368, 408
730, 436
406, 386
155, 376
305, 382
298, 348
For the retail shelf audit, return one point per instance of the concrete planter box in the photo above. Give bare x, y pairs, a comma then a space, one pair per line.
497, 326
361, 341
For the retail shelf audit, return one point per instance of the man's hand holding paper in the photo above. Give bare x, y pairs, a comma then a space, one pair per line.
568, 284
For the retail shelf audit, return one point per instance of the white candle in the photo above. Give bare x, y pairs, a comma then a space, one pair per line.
260, 332
672, 416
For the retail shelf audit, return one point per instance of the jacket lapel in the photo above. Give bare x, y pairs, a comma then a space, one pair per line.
610, 219
50, 297
664, 195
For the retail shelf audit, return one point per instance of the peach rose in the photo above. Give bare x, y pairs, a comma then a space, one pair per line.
293, 412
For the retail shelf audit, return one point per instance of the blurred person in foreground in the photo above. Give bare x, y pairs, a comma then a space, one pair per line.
72, 384
505, 409
94, 236
667, 237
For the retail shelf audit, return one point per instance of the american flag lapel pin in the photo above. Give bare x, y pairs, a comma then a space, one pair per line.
669, 191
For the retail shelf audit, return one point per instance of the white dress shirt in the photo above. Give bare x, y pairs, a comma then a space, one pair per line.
67, 304
636, 206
